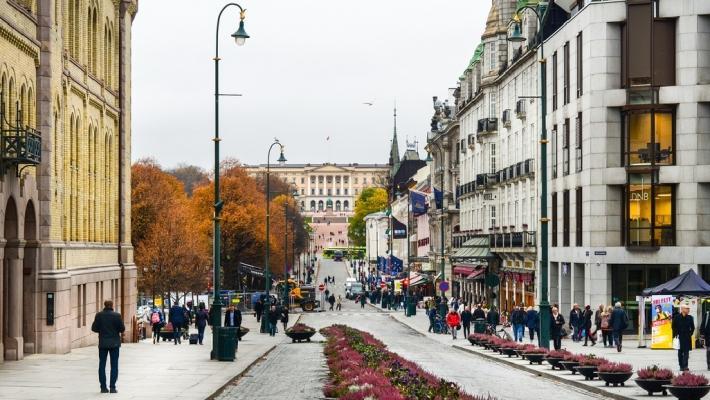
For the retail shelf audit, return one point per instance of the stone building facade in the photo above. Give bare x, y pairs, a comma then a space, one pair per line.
66, 95
319, 186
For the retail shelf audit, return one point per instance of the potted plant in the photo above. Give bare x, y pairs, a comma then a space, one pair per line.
652, 379
509, 349
300, 332
555, 356
522, 348
615, 373
569, 361
536, 355
687, 386
588, 366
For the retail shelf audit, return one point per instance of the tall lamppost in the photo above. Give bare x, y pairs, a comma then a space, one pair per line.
441, 222
267, 278
518, 37
240, 36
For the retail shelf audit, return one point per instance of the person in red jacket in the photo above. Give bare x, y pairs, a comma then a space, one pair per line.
453, 320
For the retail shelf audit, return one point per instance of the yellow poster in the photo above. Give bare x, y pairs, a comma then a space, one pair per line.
398, 286
661, 318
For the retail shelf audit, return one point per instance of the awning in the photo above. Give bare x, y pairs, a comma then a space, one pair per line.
479, 274
476, 248
419, 279
464, 269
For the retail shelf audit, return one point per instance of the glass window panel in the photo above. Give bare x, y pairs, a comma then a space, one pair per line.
639, 139
639, 211
664, 137
663, 234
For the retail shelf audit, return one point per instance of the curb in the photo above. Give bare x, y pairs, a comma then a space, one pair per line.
237, 377
547, 375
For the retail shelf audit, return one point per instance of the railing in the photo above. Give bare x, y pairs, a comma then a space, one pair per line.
503, 240
19, 145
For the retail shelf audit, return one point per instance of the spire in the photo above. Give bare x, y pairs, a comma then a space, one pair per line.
394, 151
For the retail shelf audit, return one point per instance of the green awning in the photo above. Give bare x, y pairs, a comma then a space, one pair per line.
477, 248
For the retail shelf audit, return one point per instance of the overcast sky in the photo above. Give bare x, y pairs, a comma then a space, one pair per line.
304, 75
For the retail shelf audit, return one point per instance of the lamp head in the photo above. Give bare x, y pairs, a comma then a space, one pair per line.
517, 35
428, 157
240, 36
282, 159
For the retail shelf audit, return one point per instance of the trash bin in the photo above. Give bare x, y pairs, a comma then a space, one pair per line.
479, 325
226, 348
411, 307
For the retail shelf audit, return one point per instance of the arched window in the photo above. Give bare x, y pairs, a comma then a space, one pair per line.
31, 110
12, 99
337, 205
23, 106
320, 205
346, 205
313, 205
4, 100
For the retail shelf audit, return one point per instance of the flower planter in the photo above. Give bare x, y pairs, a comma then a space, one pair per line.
520, 353
614, 378
509, 352
555, 362
473, 341
493, 347
535, 357
688, 392
300, 336
652, 386
589, 372
569, 366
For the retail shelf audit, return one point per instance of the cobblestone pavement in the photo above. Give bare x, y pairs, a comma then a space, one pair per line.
291, 371
471, 372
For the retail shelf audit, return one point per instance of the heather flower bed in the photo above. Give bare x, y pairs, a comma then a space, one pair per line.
361, 367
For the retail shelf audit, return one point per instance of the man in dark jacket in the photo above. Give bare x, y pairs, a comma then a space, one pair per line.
233, 317
683, 328
493, 318
532, 321
258, 309
177, 319
618, 322
466, 318
478, 313
517, 318
575, 322
109, 325
272, 318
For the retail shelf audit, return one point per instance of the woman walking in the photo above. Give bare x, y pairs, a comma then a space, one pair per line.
587, 326
558, 323
157, 321
453, 320
284, 316
606, 328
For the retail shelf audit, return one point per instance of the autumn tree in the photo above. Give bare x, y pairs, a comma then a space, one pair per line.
190, 176
371, 200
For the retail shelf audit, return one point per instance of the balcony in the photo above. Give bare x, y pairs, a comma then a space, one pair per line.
19, 146
506, 118
480, 181
520, 109
471, 141
486, 126
491, 179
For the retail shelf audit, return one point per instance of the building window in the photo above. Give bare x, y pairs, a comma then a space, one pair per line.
320, 192
313, 192
364, 181
303, 191
493, 104
579, 65
346, 179
493, 216
303, 180
330, 192
565, 218
346, 205
493, 158
356, 181
329, 179
492, 56
627, 281
320, 179
554, 219
554, 81
578, 217
337, 192
337, 179
578, 142
565, 148
345, 191
320, 205
649, 209
565, 74
649, 137
554, 151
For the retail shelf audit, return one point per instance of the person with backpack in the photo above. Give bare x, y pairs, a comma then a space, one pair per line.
618, 321
201, 321
156, 321
331, 301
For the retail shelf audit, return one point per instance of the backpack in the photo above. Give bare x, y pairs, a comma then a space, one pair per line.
155, 317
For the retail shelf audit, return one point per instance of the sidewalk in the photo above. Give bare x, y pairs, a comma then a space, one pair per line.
147, 371
638, 357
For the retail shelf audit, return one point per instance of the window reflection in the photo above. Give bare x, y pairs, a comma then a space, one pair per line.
649, 212
649, 138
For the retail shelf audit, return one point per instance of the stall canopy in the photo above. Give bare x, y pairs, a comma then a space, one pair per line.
687, 283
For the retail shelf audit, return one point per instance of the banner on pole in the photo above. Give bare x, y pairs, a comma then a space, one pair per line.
661, 318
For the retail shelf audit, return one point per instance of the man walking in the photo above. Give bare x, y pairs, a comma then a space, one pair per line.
363, 299
683, 328
258, 309
177, 319
466, 318
575, 322
272, 318
618, 322
532, 320
109, 325
233, 318
518, 320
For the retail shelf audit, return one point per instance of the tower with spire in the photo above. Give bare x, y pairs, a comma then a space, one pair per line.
394, 150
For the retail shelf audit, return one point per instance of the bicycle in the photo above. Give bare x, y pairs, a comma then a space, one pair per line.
502, 333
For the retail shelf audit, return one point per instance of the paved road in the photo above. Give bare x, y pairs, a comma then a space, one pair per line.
475, 375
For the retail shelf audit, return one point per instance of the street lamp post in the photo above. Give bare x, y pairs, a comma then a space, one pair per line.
517, 36
267, 278
240, 37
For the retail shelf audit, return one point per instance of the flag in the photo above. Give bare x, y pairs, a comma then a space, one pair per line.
418, 200
439, 198
397, 265
399, 230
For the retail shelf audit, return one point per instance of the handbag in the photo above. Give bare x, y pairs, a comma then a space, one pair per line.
458, 327
676, 343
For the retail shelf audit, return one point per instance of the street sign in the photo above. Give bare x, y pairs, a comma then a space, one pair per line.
444, 286
599, 253
321, 287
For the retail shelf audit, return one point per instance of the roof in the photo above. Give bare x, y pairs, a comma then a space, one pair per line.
492, 21
477, 248
310, 165
688, 283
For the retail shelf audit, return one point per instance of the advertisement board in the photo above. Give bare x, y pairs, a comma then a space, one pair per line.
661, 316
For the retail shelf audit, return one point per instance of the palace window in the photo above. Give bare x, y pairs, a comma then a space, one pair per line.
650, 209
649, 137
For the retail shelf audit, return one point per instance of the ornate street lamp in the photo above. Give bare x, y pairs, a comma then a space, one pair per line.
267, 278
517, 37
216, 309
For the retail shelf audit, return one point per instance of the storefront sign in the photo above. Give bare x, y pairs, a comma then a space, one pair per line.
661, 315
